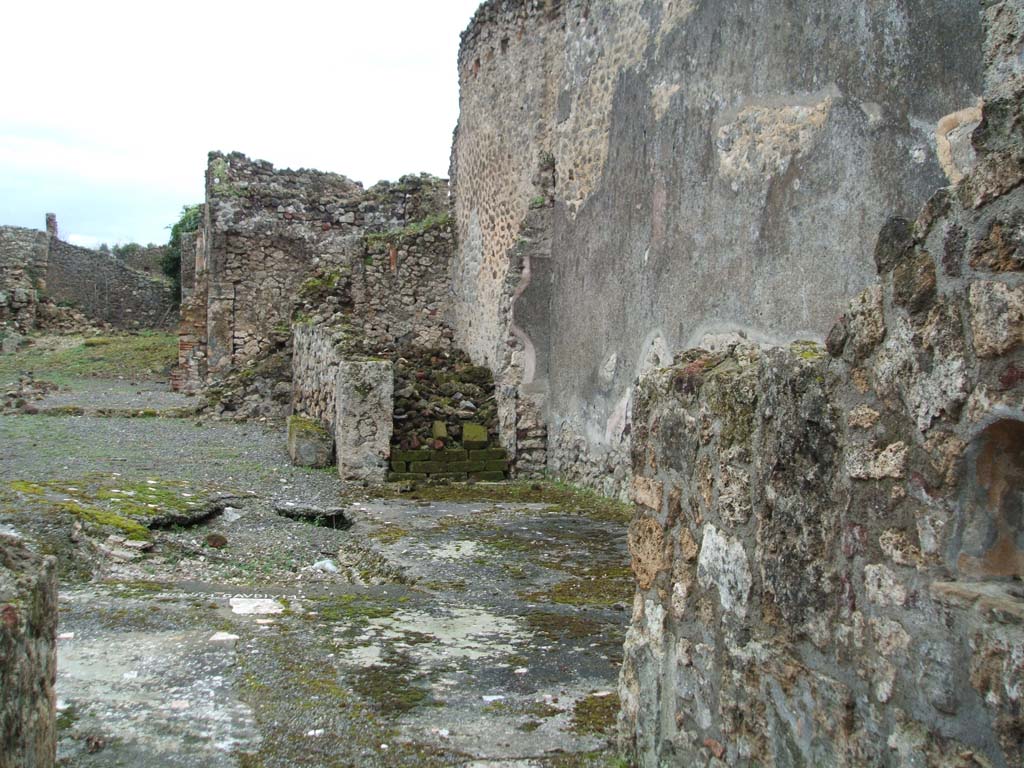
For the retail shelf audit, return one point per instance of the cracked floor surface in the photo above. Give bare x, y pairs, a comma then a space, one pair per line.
452, 626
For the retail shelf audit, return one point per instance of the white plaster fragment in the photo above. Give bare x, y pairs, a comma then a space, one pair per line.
723, 564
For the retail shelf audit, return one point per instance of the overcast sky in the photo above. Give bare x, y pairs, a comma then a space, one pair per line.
108, 109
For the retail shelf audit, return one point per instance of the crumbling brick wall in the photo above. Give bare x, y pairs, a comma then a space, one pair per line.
828, 540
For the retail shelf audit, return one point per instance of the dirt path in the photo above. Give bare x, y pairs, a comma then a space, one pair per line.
437, 630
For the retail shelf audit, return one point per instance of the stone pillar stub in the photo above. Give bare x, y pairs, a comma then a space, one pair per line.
364, 412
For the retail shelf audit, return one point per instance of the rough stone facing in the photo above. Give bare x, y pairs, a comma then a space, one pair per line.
28, 657
364, 402
855, 515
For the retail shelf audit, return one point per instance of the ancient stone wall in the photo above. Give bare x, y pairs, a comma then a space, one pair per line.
35, 264
275, 240
28, 657
22, 269
105, 288
143, 258
828, 540
315, 361
704, 167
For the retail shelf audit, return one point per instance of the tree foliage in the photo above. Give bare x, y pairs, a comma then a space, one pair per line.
189, 221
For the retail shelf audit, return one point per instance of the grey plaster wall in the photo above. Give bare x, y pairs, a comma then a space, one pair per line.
718, 166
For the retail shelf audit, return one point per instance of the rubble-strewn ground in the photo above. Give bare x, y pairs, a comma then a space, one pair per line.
449, 626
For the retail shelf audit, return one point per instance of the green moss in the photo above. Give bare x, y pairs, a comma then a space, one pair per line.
561, 498
351, 609
219, 170
390, 534
560, 626
133, 529
391, 688
601, 586
66, 720
397, 237
808, 350
22, 486
595, 714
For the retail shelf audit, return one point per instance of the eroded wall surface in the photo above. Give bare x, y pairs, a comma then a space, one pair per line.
705, 167
28, 657
828, 546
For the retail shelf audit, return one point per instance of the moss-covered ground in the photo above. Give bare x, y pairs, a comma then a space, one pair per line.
144, 355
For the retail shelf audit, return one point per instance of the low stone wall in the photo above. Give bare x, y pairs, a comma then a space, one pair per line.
106, 289
28, 657
828, 545
364, 401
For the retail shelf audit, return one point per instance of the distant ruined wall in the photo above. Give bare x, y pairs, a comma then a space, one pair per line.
704, 167
829, 545
268, 232
148, 259
22, 269
105, 288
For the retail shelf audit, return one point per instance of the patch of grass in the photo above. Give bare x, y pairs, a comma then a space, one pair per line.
400, 236
144, 355
23, 486
595, 714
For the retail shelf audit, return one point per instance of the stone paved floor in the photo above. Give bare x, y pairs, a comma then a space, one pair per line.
455, 631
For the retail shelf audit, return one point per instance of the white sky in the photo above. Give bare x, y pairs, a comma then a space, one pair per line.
108, 109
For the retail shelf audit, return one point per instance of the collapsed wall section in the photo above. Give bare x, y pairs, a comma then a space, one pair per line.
828, 545
704, 167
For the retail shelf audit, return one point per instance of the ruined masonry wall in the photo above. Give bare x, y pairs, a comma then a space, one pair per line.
268, 231
706, 167
315, 361
105, 288
28, 657
828, 543
22, 269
